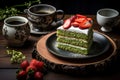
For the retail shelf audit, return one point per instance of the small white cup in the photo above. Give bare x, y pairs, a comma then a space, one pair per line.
107, 18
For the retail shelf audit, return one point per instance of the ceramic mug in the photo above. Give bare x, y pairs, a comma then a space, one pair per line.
16, 30
107, 18
41, 16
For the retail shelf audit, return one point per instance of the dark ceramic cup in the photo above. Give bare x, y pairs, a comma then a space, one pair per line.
41, 16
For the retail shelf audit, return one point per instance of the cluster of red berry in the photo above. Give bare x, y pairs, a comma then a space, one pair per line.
30, 70
78, 20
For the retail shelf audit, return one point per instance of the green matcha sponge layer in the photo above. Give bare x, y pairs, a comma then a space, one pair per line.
73, 41
72, 34
72, 49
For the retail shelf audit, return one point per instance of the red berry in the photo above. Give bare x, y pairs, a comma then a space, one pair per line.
40, 65
34, 62
22, 75
38, 76
24, 64
31, 69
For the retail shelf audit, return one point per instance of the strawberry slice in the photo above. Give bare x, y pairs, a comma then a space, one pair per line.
89, 19
67, 23
75, 24
72, 18
85, 24
79, 20
80, 16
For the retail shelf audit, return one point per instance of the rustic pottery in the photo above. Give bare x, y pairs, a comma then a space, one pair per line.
41, 16
16, 30
107, 18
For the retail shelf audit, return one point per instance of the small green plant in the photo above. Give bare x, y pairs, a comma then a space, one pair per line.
15, 9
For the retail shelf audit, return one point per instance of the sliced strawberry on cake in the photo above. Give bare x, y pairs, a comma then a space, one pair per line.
86, 23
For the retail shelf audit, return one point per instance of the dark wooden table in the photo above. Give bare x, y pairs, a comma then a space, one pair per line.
8, 70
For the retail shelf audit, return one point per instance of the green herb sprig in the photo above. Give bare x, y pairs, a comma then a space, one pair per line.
14, 10
4, 13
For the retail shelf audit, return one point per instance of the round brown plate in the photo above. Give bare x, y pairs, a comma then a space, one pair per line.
82, 66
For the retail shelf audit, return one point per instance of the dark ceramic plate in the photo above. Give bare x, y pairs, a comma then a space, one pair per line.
100, 45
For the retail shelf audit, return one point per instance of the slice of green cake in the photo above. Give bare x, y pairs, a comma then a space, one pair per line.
75, 39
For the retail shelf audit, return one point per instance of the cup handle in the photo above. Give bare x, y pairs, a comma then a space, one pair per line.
59, 17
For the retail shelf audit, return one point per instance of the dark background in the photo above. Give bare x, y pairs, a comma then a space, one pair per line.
83, 6
72, 6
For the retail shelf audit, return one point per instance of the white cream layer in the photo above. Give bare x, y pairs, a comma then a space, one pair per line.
75, 29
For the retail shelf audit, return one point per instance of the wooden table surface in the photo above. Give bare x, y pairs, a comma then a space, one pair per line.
8, 70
